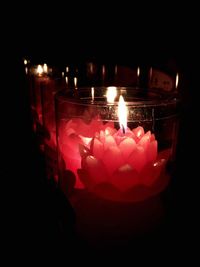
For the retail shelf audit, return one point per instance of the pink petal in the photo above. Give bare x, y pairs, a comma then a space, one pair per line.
137, 159
152, 151
145, 140
95, 169
138, 132
112, 159
97, 149
125, 178
109, 142
127, 146
152, 137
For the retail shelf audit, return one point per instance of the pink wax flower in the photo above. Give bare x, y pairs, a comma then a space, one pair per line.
116, 163
77, 132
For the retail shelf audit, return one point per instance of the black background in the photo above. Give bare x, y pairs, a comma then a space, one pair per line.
34, 218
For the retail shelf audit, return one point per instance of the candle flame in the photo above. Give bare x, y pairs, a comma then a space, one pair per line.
111, 94
177, 80
39, 70
25, 62
122, 114
92, 93
45, 68
75, 82
66, 80
138, 71
67, 69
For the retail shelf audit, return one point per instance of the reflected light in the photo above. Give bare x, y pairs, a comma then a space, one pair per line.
39, 70
111, 94
138, 71
92, 93
177, 80
75, 82
122, 114
45, 68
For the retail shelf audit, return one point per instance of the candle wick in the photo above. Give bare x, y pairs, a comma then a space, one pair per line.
123, 129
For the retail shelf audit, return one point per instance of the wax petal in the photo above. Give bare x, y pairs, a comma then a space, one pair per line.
102, 137
73, 141
124, 178
152, 137
110, 131
112, 159
96, 169
109, 142
127, 146
138, 132
83, 151
151, 172
108, 124
97, 149
137, 159
145, 140
151, 152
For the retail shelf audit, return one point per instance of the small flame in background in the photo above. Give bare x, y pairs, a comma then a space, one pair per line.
39, 70
45, 68
122, 113
92, 93
138, 71
177, 80
75, 82
111, 94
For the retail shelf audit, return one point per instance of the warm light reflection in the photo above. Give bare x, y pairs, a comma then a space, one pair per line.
177, 80
63, 74
115, 70
150, 73
138, 71
103, 70
75, 82
39, 70
66, 80
45, 68
122, 114
92, 93
67, 69
91, 66
111, 94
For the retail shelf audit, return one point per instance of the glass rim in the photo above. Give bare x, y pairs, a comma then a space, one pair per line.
148, 97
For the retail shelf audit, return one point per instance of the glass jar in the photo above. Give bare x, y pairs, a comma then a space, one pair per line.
99, 155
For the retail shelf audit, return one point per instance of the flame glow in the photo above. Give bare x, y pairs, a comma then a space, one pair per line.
92, 93
25, 62
45, 68
75, 82
39, 70
111, 94
122, 113
138, 71
177, 80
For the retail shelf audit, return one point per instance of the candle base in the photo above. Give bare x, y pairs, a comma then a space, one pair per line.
102, 223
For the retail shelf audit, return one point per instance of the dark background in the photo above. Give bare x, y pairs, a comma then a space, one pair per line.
35, 218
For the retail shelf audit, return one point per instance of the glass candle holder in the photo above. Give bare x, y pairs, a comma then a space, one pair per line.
116, 143
55, 83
